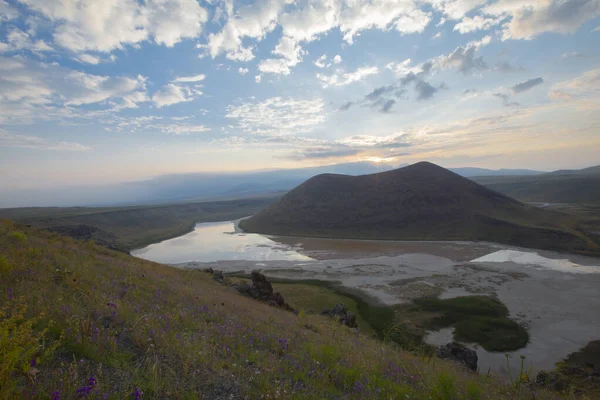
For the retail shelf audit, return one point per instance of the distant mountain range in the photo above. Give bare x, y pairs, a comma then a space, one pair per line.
203, 186
420, 202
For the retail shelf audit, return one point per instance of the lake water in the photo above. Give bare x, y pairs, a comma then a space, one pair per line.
218, 241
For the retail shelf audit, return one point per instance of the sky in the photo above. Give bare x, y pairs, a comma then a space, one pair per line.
105, 91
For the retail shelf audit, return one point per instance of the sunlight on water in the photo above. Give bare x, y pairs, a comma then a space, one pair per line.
217, 241
535, 260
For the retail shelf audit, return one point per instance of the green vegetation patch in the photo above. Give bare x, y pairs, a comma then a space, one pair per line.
476, 319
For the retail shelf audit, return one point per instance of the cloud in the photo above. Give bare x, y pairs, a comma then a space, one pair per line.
526, 85
337, 59
243, 71
425, 90
528, 18
387, 106
437, 35
572, 54
31, 89
291, 54
597, 29
172, 94
584, 85
34, 142
476, 23
463, 58
7, 12
104, 26
179, 129
341, 78
17, 39
454, 9
346, 106
320, 62
88, 59
507, 67
305, 21
188, 79
506, 99
278, 116
323, 152
258, 78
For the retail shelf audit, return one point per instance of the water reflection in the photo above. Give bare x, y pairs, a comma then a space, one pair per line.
218, 241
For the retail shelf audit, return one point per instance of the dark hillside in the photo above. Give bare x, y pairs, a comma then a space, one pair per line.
419, 202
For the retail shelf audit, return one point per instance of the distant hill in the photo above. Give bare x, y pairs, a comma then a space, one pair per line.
420, 202
470, 171
563, 186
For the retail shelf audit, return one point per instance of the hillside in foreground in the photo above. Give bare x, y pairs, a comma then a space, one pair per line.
420, 202
82, 321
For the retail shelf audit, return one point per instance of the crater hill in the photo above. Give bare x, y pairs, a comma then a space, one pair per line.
422, 201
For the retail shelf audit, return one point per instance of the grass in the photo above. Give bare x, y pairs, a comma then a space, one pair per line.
83, 321
477, 319
127, 228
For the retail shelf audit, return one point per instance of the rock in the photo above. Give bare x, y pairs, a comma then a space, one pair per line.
218, 276
457, 352
343, 316
209, 270
261, 289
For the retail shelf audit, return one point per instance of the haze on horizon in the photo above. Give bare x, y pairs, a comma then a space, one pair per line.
98, 92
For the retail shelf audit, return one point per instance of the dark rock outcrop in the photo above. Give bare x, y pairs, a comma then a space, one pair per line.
342, 315
261, 289
455, 351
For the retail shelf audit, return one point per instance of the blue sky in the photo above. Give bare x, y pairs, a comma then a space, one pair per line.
119, 90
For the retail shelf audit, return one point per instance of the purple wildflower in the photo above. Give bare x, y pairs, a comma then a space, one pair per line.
87, 389
56, 395
10, 293
137, 393
33, 362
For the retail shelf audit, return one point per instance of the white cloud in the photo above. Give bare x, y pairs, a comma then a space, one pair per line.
243, 71
82, 25
341, 78
597, 29
320, 62
258, 78
278, 116
305, 21
179, 129
188, 79
274, 66
437, 35
172, 94
17, 39
454, 9
38, 143
291, 54
7, 12
337, 59
88, 59
528, 18
404, 68
476, 23
31, 89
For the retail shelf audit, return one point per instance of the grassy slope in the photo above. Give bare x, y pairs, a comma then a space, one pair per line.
127, 228
116, 325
